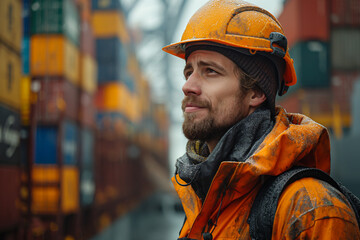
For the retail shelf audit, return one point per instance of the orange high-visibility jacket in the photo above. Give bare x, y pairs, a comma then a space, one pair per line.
307, 209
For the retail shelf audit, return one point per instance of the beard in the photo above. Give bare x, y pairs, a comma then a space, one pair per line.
206, 129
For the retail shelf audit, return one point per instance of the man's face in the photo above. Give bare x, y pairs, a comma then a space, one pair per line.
213, 100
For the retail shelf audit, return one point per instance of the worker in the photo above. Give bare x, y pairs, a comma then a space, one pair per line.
236, 62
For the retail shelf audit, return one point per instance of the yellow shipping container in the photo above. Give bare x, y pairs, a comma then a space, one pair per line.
114, 97
46, 193
10, 76
88, 73
25, 99
54, 55
110, 24
11, 23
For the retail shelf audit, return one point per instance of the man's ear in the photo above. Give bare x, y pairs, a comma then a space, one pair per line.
256, 98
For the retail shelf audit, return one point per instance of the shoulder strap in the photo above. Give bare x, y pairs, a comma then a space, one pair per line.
263, 210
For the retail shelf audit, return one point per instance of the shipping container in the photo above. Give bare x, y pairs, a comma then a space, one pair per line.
112, 122
9, 136
49, 139
355, 109
54, 55
87, 109
305, 20
112, 97
312, 64
9, 197
87, 39
11, 24
88, 73
25, 55
10, 76
290, 102
108, 24
87, 181
57, 98
55, 17
345, 13
345, 48
26, 17
342, 84
105, 5
46, 192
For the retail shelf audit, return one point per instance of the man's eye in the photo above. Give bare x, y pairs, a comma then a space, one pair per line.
210, 70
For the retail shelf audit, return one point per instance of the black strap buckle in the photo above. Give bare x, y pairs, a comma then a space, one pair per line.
281, 41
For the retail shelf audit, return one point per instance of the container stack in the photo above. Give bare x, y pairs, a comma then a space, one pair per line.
54, 65
10, 78
323, 38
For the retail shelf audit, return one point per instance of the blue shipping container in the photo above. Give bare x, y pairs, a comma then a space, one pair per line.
25, 55
111, 56
46, 145
87, 183
106, 5
26, 18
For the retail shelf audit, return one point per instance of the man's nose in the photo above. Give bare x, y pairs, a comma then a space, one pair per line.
192, 85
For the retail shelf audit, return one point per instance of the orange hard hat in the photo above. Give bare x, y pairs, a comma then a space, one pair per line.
239, 24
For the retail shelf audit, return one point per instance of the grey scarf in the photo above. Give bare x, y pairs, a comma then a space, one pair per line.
197, 167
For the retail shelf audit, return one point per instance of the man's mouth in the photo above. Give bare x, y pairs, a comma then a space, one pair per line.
189, 108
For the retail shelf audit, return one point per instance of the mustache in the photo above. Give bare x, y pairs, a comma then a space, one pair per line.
194, 101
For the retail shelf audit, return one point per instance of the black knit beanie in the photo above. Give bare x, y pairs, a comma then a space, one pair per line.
257, 66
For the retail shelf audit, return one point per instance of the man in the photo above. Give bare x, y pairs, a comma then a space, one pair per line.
236, 62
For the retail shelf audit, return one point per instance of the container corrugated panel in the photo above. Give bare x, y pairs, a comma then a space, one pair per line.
47, 144
87, 183
342, 83
9, 199
54, 55
25, 55
290, 102
10, 76
304, 20
11, 24
57, 98
312, 64
55, 17
105, 5
9, 136
88, 73
87, 44
87, 111
345, 48
345, 13
46, 196
110, 24
112, 121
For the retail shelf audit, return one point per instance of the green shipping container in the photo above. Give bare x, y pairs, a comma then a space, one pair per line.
55, 17
312, 64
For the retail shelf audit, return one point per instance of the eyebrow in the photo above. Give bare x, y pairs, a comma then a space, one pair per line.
205, 64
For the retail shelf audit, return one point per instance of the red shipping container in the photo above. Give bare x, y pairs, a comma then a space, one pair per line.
87, 109
290, 103
9, 197
57, 98
345, 13
342, 84
304, 20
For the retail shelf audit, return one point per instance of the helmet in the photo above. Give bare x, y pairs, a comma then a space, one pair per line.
236, 23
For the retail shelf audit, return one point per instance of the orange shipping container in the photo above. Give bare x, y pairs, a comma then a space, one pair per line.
109, 24
11, 23
10, 77
112, 97
88, 73
46, 192
54, 55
